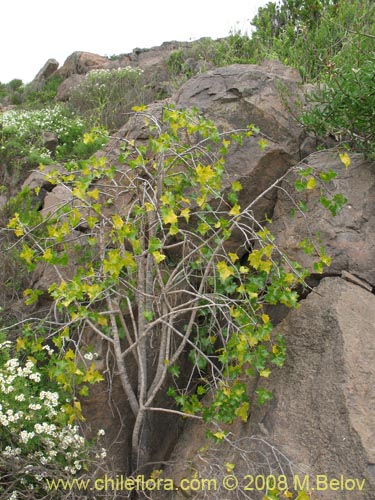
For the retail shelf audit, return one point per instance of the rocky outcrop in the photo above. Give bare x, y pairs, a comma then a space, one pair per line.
66, 88
254, 99
80, 63
349, 237
45, 72
234, 97
321, 420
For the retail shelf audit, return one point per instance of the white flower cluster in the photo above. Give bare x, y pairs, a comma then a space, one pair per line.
91, 355
29, 123
29, 429
118, 72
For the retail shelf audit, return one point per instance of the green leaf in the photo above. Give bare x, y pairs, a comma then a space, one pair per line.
148, 315
224, 270
174, 370
243, 411
263, 396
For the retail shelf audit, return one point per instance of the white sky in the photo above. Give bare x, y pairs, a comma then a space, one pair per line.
33, 31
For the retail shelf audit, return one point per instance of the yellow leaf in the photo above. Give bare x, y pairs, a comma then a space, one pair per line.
229, 467
87, 138
79, 193
69, 354
78, 411
311, 183
265, 373
102, 321
48, 255
219, 435
138, 109
236, 186
204, 174
149, 207
129, 261
262, 144
170, 217
94, 194
92, 375
20, 344
201, 200
224, 270
236, 210
344, 157
244, 269
265, 318
233, 257
302, 495
27, 254
265, 265
117, 221
185, 213
159, 257
156, 473
243, 412
235, 313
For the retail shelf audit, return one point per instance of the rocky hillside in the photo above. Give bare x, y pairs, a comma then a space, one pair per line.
195, 282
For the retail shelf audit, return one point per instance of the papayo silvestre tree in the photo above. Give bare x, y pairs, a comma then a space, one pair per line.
159, 283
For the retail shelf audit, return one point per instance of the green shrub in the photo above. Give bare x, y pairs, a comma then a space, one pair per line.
163, 266
15, 84
39, 435
236, 48
21, 137
106, 97
38, 98
344, 108
309, 35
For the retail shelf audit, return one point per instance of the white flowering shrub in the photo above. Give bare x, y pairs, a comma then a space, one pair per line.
105, 97
21, 136
39, 435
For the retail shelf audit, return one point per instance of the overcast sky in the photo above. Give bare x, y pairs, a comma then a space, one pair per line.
33, 31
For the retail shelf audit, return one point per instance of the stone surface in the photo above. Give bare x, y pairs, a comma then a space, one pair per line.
44, 73
3, 200
50, 141
66, 87
81, 63
321, 419
234, 97
349, 237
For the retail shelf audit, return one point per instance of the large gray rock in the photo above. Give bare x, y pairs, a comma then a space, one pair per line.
67, 87
349, 237
321, 420
234, 97
81, 63
44, 73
